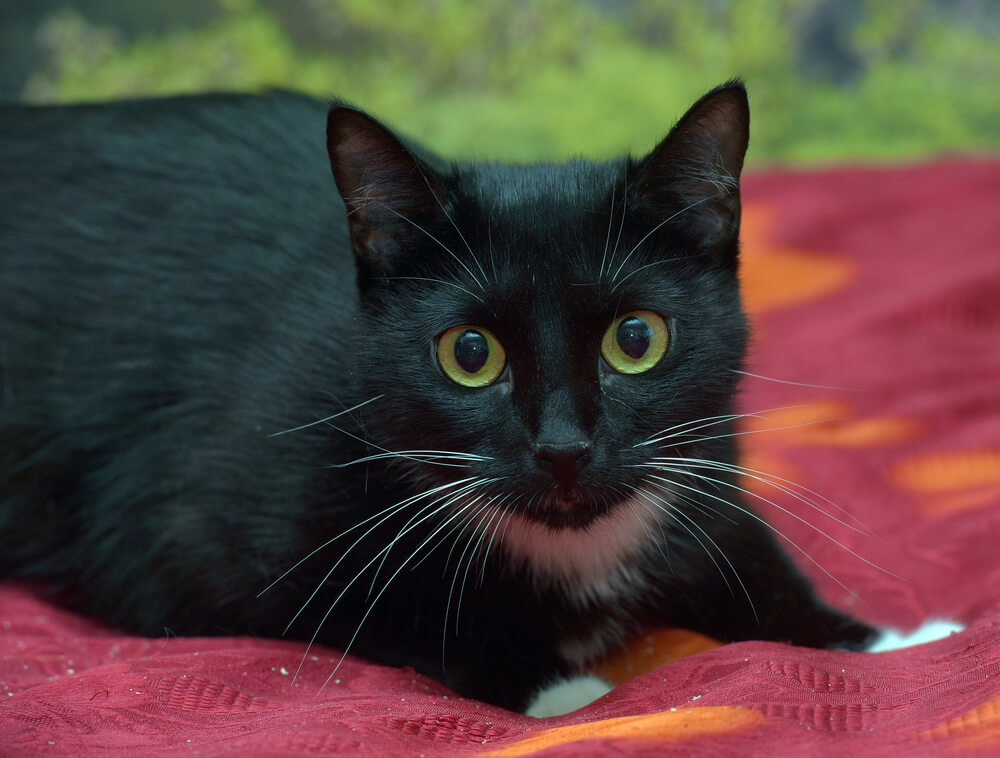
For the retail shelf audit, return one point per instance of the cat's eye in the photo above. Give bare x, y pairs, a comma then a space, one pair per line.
635, 342
471, 355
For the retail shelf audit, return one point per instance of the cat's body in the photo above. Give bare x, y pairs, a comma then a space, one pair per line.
178, 296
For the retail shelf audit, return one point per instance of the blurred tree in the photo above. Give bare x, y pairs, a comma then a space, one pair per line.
829, 79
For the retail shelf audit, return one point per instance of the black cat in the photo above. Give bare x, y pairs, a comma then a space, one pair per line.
483, 420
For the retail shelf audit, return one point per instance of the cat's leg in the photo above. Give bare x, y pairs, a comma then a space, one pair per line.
738, 583
503, 666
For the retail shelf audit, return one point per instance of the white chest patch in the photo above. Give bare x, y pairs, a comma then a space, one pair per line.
590, 561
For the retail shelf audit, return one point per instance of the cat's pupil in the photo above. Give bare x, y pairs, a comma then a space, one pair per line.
471, 351
633, 336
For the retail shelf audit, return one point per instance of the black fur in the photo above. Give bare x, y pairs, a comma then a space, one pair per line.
177, 287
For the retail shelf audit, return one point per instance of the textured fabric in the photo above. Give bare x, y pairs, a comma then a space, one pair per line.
880, 285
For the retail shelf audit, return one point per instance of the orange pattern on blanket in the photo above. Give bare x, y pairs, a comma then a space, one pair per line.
975, 729
831, 423
773, 276
664, 726
820, 423
651, 650
952, 481
945, 471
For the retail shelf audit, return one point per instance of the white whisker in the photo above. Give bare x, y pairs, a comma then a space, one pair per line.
406, 527
611, 220
328, 418
754, 431
765, 478
435, 239
702, 508
489, 242
663, 434
653, 230
644, 267
489, 545
372, 604
437, 281
797, 384
676, 512
468, 519
343, 591
434, 504
621, 226
757, 518
422, 456
459, 231
461, 592
392, 508
660, 543
392, 453
787, 512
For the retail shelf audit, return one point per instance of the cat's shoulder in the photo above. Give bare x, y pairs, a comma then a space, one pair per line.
46, 134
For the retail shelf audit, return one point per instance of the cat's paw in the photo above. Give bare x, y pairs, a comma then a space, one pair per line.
934, 629
567, 695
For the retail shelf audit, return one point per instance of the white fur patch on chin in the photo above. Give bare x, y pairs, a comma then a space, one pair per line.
934, 629
581, 555
567, 695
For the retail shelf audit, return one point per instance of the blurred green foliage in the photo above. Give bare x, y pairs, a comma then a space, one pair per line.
551, 78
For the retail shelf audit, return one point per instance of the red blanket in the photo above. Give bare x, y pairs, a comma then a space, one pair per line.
883, 286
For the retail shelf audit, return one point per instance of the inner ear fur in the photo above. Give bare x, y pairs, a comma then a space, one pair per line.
389, 192
693, 174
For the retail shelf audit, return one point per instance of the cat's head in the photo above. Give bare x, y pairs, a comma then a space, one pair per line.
536, 334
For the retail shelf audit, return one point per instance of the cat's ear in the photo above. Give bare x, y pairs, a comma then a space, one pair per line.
390, 194
693, 174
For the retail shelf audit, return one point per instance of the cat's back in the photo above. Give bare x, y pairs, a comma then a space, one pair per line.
218, 165
170, 200
189, 128
152, 216
174, 276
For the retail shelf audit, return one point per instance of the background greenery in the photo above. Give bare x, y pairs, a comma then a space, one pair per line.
829, 79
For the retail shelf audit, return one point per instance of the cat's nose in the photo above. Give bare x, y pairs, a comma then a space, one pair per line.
563, 459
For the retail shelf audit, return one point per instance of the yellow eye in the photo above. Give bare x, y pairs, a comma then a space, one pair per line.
635, 342
471, 355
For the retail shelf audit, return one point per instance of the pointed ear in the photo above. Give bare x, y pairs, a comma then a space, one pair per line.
390, 194
694, 173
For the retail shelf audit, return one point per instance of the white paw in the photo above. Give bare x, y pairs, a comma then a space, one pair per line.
567, 695
929, 631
